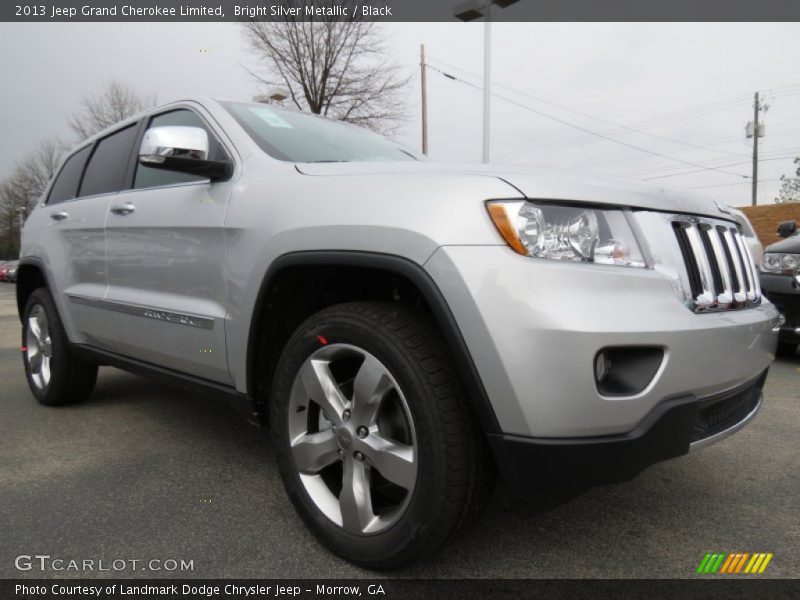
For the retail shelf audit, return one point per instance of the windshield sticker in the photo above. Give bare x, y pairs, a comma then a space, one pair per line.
270, 118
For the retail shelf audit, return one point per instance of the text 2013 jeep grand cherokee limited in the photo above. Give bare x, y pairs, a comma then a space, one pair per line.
406, 328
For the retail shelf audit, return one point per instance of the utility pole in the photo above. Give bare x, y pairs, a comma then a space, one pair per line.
756, 110
423, 68
755, 130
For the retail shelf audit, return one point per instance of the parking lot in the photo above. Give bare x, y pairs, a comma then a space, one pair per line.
142, 471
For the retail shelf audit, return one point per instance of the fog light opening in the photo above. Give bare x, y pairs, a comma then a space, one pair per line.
626, 370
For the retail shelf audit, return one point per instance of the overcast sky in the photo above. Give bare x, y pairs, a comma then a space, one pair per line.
607, 74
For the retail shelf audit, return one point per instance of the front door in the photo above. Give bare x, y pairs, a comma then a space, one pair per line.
166, 276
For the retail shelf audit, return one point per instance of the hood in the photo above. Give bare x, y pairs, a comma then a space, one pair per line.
541, 184
790, 245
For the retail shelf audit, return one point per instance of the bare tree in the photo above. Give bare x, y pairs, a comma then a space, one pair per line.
13, 201
32, 174
790, 188
23, 187
20, 191
332, 67
117, 101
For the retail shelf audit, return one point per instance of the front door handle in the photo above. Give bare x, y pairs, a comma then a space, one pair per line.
59, 216
123, 209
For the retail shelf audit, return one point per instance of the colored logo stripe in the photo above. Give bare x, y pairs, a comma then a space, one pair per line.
710, 563
735, 562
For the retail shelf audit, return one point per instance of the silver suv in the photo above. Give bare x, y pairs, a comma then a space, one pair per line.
408, 329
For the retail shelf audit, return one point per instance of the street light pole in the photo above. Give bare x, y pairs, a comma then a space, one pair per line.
22, 211
424, 87
487, 80
470, 10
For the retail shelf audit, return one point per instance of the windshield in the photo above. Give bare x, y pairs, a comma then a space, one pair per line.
301, 137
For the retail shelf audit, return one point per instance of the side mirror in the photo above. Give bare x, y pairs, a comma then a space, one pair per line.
183, 149
787, 228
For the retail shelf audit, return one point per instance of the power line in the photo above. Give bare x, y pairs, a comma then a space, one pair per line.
711, 161
704, 187
600, 119
744, 162
582, 140
684, 114
668, 116
584, 129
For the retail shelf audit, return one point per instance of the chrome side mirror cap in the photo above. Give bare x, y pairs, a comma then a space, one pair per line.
183, 149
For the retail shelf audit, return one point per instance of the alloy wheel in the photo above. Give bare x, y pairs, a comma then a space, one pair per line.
352, 439
39, 347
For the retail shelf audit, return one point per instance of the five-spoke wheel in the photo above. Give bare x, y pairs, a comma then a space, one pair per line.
55, 375
352, 438
39, 347
378, 451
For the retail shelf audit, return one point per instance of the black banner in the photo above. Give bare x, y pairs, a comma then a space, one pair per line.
42, 11
399, 589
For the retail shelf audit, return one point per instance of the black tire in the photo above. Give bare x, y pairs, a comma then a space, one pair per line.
71, 380
455, 472
786, 350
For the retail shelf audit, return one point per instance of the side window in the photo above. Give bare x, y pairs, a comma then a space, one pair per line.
149, 177
66, 184
107, 167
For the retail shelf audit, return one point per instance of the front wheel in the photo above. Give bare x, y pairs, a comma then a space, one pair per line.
786, 350
378, 451
54, 375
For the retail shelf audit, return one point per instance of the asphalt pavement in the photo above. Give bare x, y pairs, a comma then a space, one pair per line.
143, 472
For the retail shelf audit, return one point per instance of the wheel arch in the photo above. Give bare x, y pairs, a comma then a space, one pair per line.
31, 275
408, 275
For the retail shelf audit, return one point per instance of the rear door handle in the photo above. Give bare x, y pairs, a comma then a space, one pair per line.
123, 209
59, 216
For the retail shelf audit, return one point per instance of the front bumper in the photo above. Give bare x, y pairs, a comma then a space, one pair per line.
676, 426
534, 329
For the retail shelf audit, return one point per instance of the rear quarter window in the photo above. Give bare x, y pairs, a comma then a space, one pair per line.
106, 170
65, 187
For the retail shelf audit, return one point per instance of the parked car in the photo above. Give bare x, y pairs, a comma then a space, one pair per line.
407, 328
4, 268
780, 279
10, 271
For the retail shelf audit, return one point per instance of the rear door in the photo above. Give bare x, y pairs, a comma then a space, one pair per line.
76, 209
166, 251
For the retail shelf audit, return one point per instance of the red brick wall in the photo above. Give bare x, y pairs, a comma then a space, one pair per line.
765, 219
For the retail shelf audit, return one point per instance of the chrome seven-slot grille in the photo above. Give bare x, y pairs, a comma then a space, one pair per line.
721, 272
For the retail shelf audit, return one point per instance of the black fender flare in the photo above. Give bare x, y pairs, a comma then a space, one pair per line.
473, 386
31, 261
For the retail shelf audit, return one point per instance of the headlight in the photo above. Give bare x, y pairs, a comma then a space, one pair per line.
775, 262
570, 233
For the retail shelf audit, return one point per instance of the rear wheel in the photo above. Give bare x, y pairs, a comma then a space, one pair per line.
785, 349
54, 375
379, 453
